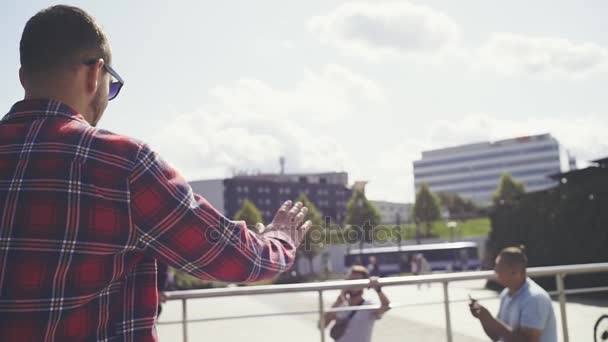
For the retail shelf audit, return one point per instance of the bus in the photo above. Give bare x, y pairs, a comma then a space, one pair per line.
449, 256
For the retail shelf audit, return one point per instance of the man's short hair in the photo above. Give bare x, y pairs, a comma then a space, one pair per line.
362, 270
515, 256
60, 36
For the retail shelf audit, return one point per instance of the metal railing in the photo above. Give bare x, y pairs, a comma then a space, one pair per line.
559, 272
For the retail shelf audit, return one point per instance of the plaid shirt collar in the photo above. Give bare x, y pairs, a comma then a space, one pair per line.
37, 108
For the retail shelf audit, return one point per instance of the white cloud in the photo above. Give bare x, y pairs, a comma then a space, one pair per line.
543, 56
379, 29
581, 134
249, 124
288, 44
209, 144
325, 95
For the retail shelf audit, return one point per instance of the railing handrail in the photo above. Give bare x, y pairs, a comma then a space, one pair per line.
391, 281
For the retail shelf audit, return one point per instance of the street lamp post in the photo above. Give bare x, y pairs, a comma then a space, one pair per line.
451, 226
361, 228
417, 222
399, 238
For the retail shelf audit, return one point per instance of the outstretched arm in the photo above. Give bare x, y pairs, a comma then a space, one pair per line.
183, 230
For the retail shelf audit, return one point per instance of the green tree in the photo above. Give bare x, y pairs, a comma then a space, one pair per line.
363, 215
313, 241
508, 191
426, 209
249, 213
458, 207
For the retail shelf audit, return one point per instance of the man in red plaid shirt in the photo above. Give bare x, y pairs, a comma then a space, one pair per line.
85, 214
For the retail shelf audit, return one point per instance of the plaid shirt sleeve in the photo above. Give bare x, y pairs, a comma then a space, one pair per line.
183, 230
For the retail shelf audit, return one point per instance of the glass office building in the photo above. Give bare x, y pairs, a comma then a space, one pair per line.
473, 170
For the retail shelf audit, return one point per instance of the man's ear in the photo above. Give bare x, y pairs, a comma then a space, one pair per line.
22, 77
92, 76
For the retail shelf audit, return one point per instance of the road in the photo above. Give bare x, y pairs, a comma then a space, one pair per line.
411, 320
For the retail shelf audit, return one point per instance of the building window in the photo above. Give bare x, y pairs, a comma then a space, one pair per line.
245, 189
288, 191
268, 201
238, 189
323, 203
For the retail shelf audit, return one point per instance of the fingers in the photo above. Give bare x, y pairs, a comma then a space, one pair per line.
291, 214
282, 212
301, 231
300, 217
260, 228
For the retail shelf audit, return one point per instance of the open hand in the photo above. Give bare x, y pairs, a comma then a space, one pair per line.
289, 219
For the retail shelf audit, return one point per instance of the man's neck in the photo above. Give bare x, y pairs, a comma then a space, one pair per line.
75, 105
513, 289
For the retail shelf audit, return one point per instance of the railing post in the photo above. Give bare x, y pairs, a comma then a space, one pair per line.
321, 316
562, 304
184, 320
446, 303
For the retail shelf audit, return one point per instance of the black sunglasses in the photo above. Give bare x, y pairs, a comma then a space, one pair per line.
115, 86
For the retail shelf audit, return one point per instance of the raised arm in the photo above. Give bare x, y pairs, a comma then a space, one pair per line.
183, 230
384, 301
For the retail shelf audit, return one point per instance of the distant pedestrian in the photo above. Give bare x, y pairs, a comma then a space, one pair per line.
372, 267
414, 264
422, 267
464, 260
358, 261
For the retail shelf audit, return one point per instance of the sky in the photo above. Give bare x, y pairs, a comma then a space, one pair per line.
355, 86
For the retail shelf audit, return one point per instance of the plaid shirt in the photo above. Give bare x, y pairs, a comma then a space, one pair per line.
85, 214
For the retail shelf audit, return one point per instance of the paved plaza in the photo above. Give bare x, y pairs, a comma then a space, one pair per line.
411, 321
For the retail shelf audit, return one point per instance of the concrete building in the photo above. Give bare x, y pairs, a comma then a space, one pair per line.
473, 170
328, 191
393, 212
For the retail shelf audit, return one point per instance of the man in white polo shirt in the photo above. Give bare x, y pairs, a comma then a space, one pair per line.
525, 313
